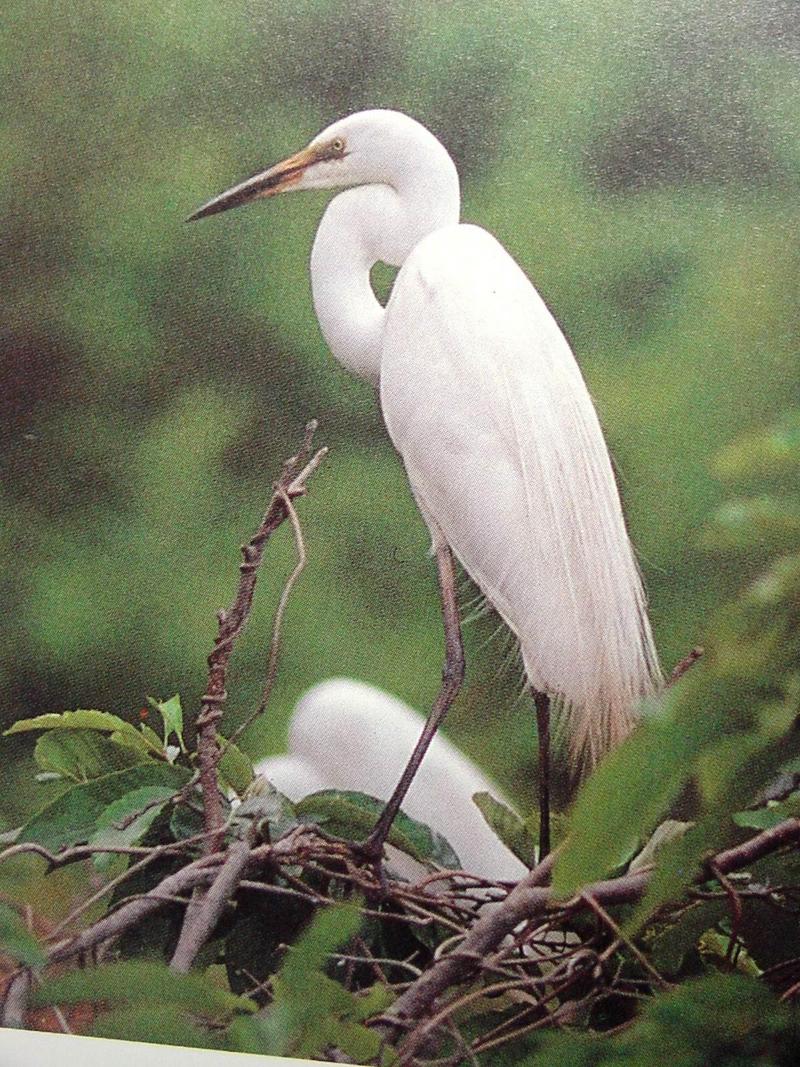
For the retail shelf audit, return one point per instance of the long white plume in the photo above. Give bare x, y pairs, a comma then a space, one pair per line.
512, 467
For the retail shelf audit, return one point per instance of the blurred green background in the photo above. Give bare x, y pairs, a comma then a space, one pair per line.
639, 160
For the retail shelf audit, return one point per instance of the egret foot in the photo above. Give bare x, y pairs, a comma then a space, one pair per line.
371, 853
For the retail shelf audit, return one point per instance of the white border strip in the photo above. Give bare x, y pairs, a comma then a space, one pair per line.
29, 1048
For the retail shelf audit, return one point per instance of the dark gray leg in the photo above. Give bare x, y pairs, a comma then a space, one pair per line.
452, 677
542, 702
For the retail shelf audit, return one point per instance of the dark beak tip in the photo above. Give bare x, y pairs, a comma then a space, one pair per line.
202, 212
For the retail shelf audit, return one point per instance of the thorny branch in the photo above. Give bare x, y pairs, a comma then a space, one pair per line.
291, 484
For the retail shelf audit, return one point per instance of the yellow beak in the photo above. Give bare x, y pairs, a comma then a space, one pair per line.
267, 183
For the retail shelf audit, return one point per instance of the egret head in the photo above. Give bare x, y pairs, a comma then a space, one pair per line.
365, 148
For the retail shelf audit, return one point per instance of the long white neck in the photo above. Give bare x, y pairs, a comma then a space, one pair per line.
376, 222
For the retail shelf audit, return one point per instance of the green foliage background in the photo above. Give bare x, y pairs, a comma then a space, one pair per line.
641, 164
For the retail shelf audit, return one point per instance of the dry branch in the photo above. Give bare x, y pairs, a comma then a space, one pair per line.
530, 900
684, 665
491, 942
290, 485
204, 912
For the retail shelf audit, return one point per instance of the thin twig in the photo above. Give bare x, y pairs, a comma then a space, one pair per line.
277, 624
735, 903
683, 665
378, 959
82, 852
284, 891
606, 919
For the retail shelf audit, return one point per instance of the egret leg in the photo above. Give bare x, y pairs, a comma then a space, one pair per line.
452, 678
542, 702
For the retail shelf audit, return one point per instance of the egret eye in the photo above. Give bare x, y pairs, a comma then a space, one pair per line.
337, 146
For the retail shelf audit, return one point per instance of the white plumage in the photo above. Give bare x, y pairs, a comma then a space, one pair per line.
520, 482
344, 734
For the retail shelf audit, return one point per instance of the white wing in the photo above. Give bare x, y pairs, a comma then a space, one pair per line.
484, 401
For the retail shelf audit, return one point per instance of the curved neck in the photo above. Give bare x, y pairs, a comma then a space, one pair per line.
360, 227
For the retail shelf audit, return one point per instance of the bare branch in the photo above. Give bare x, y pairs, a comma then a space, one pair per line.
291, 484
275, 640
15, 1000
685, 664
530, 900
204, 912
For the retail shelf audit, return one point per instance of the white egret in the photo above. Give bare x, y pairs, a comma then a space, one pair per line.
344, 734
485, 403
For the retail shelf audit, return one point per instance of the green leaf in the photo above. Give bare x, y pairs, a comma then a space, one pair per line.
150, 736
235, 767
715, 723
507, 826
330, 928
717, 946
670, 945
357, 1042
264, 804
668, 830
72, 720
310, 1012
620, 804
767, 817
352, 815
142, 740
73, 816
126, 820
724, 1020
172, 714
680, 861
142, 982
166, 1024
80, 755
17, 941
371, 1002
